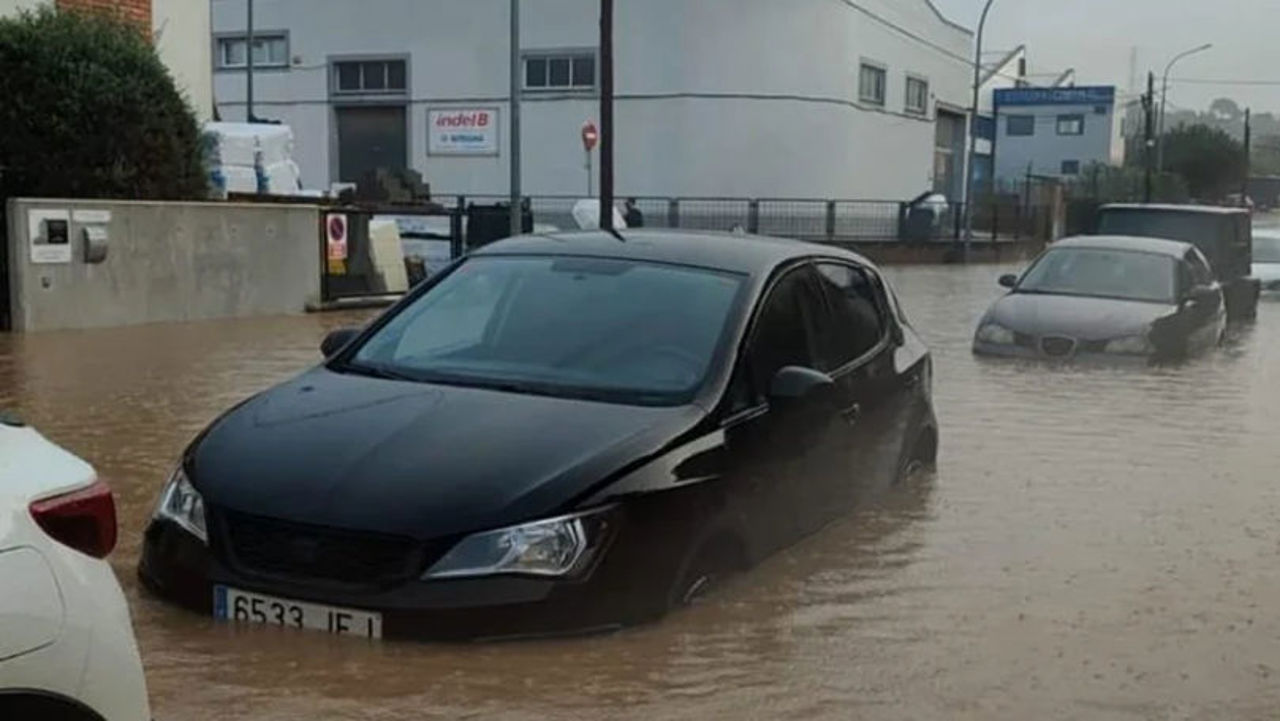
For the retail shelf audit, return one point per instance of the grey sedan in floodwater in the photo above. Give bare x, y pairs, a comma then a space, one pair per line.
1107, 296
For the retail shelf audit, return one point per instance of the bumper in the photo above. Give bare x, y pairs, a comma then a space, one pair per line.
180, 568
1017, 351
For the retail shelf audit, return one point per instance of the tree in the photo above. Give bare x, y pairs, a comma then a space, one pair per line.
1266, 156
89, 111
1212, 162
1226, 110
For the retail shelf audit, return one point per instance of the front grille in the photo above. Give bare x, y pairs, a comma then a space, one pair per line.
1057, 347
268, 547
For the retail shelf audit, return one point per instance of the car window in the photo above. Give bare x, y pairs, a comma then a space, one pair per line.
461, 314
782, 337
583, 327
1103, 273
856, 323
1200, 273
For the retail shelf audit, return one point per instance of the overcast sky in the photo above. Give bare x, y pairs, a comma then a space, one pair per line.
1097, 38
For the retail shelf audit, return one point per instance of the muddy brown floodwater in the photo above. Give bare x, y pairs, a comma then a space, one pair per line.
1097, 543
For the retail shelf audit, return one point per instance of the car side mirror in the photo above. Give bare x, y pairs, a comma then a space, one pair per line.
794, 386
1009, 281
1202, 295
337, 340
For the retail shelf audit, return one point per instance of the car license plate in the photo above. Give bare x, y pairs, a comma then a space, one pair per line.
230, 604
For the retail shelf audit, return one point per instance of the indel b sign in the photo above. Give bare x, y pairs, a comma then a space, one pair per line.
462, 131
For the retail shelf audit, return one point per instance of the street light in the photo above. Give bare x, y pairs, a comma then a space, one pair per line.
973, 132
1164, 96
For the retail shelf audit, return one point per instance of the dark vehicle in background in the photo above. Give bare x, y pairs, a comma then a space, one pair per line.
1224, 235
1266, 258
565, 432
1104, 296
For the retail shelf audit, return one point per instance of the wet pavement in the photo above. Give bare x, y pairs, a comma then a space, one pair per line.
1098, 543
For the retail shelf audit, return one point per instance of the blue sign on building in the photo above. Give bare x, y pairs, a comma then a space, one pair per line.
1095, 95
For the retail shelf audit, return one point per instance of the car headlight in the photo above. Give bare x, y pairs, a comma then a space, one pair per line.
554, 547
995, 334
1130, 345
180, 503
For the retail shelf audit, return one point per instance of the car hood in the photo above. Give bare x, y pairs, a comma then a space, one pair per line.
1267, 272
1075, 316
424, 461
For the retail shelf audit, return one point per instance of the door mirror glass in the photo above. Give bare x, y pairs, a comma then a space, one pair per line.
337, 340
1009, 280
795, 386
1202, 295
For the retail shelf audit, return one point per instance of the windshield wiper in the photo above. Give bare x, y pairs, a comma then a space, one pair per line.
371, 371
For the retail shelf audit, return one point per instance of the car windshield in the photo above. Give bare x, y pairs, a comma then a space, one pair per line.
1266, 248
1103, 273
614, 330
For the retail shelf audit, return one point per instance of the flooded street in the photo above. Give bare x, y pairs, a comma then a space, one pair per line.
1098, 543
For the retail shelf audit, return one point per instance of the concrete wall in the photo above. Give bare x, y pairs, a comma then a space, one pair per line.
716, 97
183, 39
166, 262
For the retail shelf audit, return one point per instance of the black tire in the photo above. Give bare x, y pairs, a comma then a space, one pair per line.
704, 569
36, 706
922, 458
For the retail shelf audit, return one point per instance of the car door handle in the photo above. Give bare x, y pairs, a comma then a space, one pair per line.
852, 413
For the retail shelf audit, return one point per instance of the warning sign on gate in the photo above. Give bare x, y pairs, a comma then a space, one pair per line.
336, 230
336, 227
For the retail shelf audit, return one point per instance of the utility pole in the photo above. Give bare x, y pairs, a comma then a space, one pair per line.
969, 200
517, 194
606, 115
1248, 156
248, 63
1148, 104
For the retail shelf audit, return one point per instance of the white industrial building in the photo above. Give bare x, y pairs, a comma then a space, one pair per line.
741, 98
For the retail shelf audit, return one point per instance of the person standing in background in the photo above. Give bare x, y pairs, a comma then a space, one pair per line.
633, 216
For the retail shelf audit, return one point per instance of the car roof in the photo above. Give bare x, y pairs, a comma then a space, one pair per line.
1170, 208
1134, 244
733, 252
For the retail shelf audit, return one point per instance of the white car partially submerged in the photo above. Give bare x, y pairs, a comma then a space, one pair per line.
67, 650
1266, 258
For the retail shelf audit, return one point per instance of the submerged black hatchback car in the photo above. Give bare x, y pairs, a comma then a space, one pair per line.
559, 433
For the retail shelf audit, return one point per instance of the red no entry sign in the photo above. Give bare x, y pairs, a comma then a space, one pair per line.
590, 136
336, 225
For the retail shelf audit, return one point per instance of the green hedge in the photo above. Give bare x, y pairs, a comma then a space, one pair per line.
87, 110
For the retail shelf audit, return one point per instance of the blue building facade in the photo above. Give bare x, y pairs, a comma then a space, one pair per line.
1055, 132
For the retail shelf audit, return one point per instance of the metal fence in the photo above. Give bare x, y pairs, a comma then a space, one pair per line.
821, 220
432, 235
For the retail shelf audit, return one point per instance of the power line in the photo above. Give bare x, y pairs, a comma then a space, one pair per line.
968, 62
1223, 81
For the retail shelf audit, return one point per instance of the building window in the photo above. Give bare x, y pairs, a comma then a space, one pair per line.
1070, 125
917, 96
1071, 167
270, 50
871, 84
560, 71
1020, 125
370, 77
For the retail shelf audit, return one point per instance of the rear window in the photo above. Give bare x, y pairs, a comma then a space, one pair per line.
1199, 229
